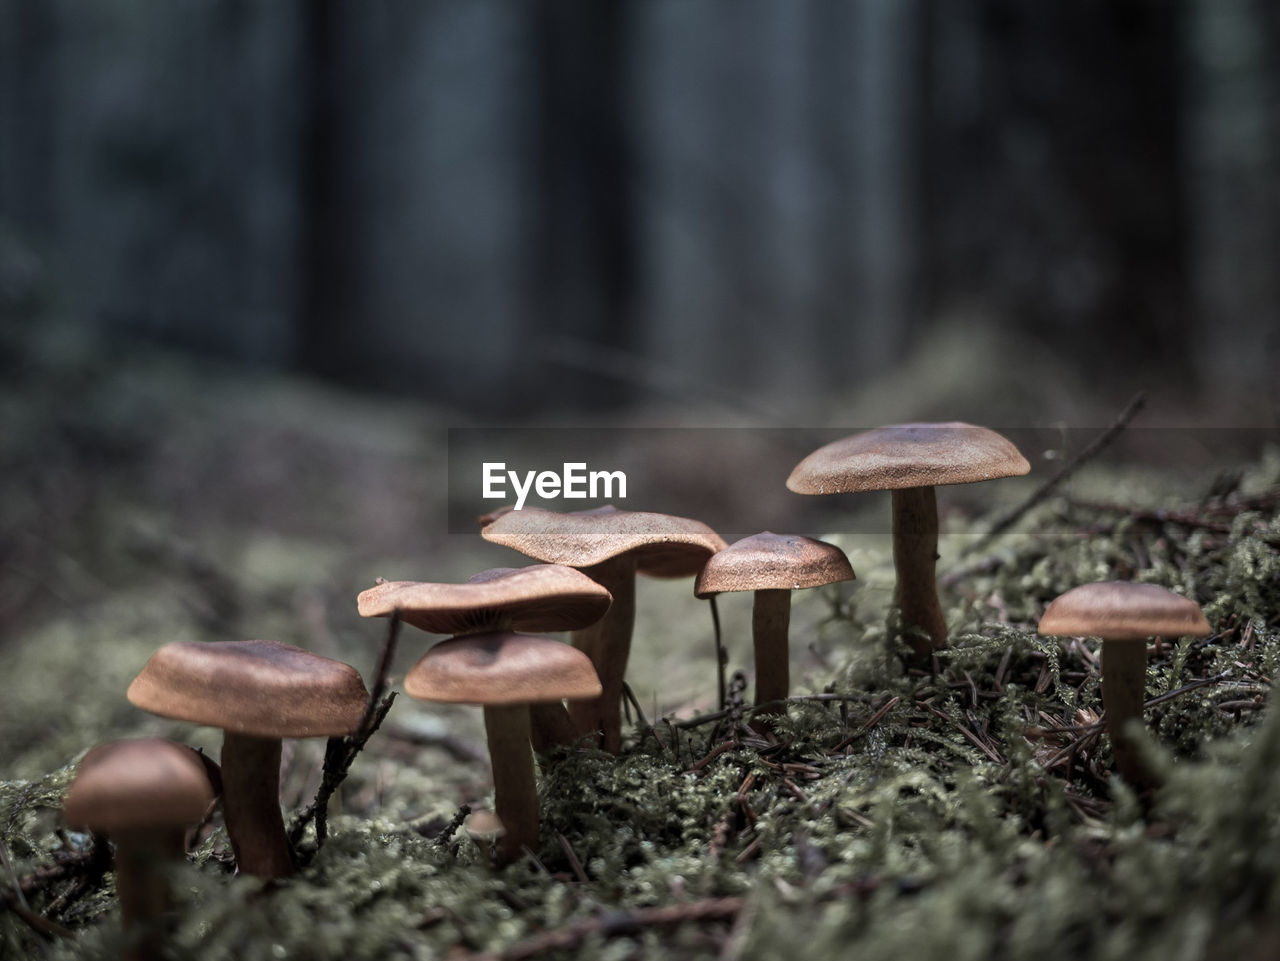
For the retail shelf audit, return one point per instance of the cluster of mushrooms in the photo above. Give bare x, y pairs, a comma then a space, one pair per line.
537, 692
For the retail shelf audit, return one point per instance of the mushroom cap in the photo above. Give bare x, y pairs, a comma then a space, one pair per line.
907, 455
502, 668
148, 782
769, 561
664, 546
538, 598
1123, 611
260, 688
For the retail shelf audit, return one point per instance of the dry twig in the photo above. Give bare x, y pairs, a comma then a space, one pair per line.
1094, 448
340, 752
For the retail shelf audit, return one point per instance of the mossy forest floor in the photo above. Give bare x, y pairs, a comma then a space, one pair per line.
961, 813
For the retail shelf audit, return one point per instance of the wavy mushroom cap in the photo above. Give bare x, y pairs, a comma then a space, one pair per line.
769, 561
149, 782
261, 688
907, 455
502, 668
539, 598
663, 545
1123, 611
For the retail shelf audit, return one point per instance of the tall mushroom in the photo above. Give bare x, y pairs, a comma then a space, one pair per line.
611, 547
772, 565
505, 673
144, 795
911, 460
539, 598
1124, 614
257, 692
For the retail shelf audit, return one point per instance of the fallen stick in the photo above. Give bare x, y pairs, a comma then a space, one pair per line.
340, 752
1092, 450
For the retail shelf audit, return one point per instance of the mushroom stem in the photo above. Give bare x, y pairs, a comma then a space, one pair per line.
515, 792
142, 888
915, 551
608, 644
251, 805
1124, 688
551, 726
770, 619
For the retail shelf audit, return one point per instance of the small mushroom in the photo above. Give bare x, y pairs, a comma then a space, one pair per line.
143, 794
1124, 614
257, 692
611, 547
505, 673
911, 460
538, 598
772, 565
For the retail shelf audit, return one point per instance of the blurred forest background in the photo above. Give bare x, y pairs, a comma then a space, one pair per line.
544, 207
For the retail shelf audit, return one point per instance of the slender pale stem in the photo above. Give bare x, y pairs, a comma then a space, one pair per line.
608, 644
770, 619
251, 805
915, 553
515, 792
1124, 690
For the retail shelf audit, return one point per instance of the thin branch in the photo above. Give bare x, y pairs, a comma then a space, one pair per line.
1182, 517
39, 924
571, 856
341, 752
1094, 448
78, 866
641, 720
1186, 689
722, 658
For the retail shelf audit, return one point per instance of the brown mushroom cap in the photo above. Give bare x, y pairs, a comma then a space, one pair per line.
1123, 611
260, 688
539, 598
502, 668
664, 546
907, 455
769, 561
147, 782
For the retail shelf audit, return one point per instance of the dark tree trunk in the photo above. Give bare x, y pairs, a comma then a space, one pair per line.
29, 34
325, 334
583, 249
1053, 185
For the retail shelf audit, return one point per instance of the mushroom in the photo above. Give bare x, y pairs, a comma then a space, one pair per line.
772, 565
1124, 614
143, 794
505, 673
611, 547
911, 460
257, 692
539, 598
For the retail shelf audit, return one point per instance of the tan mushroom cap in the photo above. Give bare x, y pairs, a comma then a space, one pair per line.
1123, 611
142, 783
502, 668
260, 688
769, 561
539, 598
907, 455
664, 546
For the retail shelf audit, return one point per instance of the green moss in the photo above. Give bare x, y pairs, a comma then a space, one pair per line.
938, 818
